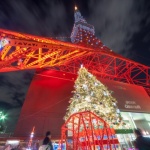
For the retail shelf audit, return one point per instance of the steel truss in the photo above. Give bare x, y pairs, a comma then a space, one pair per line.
85, 130
24, 51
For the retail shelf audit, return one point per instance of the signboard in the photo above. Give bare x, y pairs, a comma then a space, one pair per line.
131, 98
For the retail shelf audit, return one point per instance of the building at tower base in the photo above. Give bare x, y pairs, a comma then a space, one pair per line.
48, 97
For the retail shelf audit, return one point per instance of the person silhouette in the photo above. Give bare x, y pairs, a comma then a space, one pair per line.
47, 140
141, 143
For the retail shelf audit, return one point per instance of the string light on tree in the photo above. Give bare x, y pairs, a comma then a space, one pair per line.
91, 95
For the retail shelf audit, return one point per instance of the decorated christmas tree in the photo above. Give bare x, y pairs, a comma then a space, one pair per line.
91, 95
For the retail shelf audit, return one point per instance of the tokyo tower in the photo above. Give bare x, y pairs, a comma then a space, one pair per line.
56, 65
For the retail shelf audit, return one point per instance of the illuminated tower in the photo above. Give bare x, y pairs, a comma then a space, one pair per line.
50, 90
83, 33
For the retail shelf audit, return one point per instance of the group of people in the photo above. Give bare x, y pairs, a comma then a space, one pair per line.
141, 142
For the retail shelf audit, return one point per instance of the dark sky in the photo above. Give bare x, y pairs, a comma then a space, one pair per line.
122, 25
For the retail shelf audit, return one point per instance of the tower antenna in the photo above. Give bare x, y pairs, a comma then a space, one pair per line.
76, 8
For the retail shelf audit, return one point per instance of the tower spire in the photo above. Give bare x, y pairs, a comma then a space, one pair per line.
83, 33
76, 8
78, 17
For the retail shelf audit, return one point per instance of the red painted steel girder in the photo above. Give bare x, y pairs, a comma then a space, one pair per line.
24, 51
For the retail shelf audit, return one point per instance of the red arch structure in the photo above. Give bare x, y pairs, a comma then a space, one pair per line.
88, 131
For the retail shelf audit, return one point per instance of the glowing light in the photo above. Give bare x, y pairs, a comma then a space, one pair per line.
12, 142
81, 66
75, 7
3, 42
2, 116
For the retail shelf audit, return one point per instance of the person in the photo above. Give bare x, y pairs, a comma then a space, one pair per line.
141, 143
47, 144
8, 147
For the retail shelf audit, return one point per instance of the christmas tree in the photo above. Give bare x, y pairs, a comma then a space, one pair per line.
91, 95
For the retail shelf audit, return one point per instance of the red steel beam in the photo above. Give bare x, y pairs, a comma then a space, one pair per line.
24, 51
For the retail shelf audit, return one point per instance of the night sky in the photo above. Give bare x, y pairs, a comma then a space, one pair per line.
122, 25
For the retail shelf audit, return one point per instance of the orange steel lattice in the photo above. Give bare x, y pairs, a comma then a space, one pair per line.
86, 131
22, 51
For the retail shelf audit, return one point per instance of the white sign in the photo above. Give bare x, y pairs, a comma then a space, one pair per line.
131, 105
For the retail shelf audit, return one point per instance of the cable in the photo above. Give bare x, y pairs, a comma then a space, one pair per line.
44, 109
53, 77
